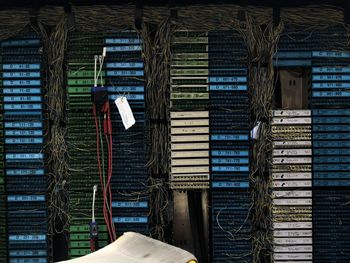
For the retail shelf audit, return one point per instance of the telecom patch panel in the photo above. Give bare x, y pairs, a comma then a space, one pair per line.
189, 149
81, 139
229, 109
3, 228
292, 185
297, 43
330, 79
331, 225
231, 229
23, 135
229, 148
331, 145
189, 117
331, 122
189, 71
294, 48
125, 78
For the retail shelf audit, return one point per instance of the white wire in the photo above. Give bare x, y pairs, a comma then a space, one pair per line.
101, 61
95, 72
101, 66
93, 202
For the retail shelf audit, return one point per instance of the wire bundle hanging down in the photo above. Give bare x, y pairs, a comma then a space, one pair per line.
156, 54
101, 110
55, 46
261, 44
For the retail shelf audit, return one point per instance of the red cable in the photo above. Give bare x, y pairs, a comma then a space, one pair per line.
110, 189
105, 214
106, 190
100, 172
107, 193
92, 245
108, 133
111, 169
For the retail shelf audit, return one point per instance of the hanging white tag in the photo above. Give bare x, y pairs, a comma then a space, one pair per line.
255, 132
125, 112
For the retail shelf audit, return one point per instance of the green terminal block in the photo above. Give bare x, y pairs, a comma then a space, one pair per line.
86, 244
76, 237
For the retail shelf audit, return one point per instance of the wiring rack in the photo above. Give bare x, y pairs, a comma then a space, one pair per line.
330, 99
24, 121
81, 138
189, 117
126, 80
229, 148
3, 219
292, 185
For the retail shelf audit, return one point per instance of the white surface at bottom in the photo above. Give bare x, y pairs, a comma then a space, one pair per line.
135, 248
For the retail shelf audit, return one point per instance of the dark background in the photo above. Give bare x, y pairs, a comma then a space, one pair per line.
37, 3
60, 241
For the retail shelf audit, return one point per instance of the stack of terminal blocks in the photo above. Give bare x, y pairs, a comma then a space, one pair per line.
3, 232
24, 129
331, 148
331, 144
298, 44
331, 121
292, 182
294, 48
230, 148
81, 139
125, 78
331, 225
189, 111
326, 52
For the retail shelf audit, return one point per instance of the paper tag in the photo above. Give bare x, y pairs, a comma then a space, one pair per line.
125, 112
255, 132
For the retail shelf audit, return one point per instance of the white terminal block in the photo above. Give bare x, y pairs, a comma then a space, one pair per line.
188, 79
189, 177
286, 184
290, 144
292, 194
190, 146
189, 138
291, 176
292, 233
190, 86
189, 154
190, 130
188, 170
192, 122
189, 114
293, 202
292, 152
291, 160
292, 225
291, 113
189, 161
292, 241
296, 249
292, 121
292, 256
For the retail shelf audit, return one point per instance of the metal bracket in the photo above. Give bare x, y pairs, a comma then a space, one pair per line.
182, 235
191, 222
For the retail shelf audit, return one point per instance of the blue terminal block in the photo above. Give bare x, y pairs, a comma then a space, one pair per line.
24, 66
